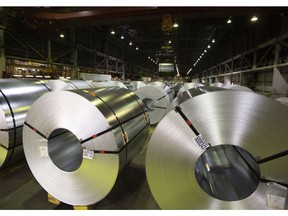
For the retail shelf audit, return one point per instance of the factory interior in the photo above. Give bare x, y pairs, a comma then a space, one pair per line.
143, 108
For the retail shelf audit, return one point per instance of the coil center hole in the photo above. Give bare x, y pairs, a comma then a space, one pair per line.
65, 150
227, 172
149, 104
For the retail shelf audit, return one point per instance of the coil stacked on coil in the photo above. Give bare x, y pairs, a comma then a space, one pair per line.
166, 87
16, 97
77, 142
187, 146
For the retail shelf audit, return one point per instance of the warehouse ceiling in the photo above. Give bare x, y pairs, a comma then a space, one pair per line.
143, 26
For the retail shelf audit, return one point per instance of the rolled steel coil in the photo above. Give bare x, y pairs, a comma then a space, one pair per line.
166, 87
156, 101
192, 92
218, 151
129, 86
77, 142
138, 84
67, 84
16, 97
283, 100
117, 83
187, 86
238, 88
217, 84
98, 84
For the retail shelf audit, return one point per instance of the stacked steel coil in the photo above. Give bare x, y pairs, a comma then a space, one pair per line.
218, 151
77, 142
283, 100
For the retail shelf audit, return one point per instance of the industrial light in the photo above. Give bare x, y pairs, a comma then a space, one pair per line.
169, 42
254, 18
175, 25
122, 37
202, 54
130, 43
213, 41
137, 48
62, 35
112, 32
189, 71
205, 51
148, 57
208, 46
229, 21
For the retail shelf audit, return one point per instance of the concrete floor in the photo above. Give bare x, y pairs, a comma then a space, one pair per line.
19, 190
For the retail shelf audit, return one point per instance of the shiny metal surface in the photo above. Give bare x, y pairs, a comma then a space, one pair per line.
129, 86
98, 84
117, 83
16, 97
166, 87
156, 101
63, 84
192, 92
138, 84
254, 123
283, 100
238, 88
217, 84
187, 86
109, 123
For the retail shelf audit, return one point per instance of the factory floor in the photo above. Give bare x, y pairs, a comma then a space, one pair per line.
19, 190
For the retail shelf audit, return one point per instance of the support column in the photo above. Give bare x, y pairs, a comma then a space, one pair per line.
2, 53
75, 74
279, 84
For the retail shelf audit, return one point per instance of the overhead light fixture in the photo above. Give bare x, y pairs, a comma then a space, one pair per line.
189, 71
148, 57
112, 32
122, 37
229, 21
205, 51
254, 18
175, 25
137, 48
169, 42
208, 46
130, 44
213, 41
62, 35
202, 54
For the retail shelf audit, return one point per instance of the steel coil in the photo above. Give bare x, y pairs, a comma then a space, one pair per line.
62, 84
283, 100
238, 88
117, 83
16, 97
77, 142
217, 84
138, 84
187, 86
98, 84
156, 101
192, 92
218, 151
166, 87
